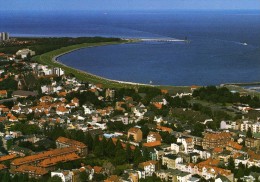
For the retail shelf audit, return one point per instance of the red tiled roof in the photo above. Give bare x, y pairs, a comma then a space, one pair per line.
31, 169
71, 142
7, 157
152, 144
43, 155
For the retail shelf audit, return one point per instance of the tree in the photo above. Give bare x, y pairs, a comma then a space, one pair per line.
146, 154
98, 177
109, 168
9, 143
55, 179
249, 133
120, 157
138, 158
145, 131
129, 154
89, 141
83, 176
110, 148
231, 164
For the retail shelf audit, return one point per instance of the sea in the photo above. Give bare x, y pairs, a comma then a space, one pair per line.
222, 47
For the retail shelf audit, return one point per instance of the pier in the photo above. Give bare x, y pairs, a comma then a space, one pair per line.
163, 40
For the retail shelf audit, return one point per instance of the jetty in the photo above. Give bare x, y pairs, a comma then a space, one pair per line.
162, 40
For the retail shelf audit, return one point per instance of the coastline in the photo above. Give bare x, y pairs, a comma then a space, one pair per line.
51, 59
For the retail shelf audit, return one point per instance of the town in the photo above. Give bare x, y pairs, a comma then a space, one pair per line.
56, 127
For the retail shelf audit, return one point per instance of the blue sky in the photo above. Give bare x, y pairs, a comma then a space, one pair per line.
126, 4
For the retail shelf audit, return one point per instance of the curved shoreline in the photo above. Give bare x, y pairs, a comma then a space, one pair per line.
51, 59
55, 59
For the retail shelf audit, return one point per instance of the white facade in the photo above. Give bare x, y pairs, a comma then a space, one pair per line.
255, 127
66, 176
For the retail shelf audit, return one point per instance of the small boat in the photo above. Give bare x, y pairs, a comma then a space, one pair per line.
244, 43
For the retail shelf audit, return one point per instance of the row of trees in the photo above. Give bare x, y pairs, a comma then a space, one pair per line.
223, 95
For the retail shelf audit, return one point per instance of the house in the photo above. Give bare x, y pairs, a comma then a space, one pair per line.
19, 151
46, 99
61, 110
113, 178
32, 171
24, 53
159, 101
152, 144
63, 142
255, 126
3, 94
149, 167
173, 175
75, 101
187, 143
212, 140
233, 146
225, 125
65, 175
16, 109
164, 129
153, 136
252, 142
171, 160
136, 133
3, 167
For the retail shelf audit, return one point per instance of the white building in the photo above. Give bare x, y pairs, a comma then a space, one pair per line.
225, 125
188, 144
66, 176
149, 167
24, 53
255, 127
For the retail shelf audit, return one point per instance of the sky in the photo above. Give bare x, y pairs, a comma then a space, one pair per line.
117, 5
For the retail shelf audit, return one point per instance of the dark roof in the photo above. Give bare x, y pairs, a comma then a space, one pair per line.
24, 93
171, 156
95, 132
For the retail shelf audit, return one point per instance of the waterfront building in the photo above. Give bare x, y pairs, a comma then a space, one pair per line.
4, 36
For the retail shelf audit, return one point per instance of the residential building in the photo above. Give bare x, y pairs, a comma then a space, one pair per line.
171, 160
32, 171
149, 167
136, 133
255, 126
225, 125
4, 36
3, 94
212, 140
252, 142
24, 53
113, 178
35, 159
173, 175
187, 143
63, 142
65, 175
153, 136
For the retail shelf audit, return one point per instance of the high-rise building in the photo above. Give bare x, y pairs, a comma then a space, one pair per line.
4, 36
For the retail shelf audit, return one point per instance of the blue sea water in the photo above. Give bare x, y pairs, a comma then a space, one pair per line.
215, 55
